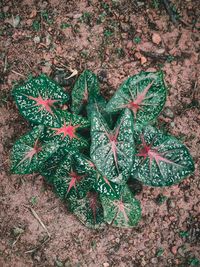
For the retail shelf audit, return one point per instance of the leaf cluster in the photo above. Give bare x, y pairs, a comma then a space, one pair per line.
88, 150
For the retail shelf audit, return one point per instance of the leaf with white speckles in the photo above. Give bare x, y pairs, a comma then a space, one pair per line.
30, 151
161, 160
66, 127
124, 212
72, 177
85, 88
38, 99
107, 188
144, 94
49, 168
84, 163
112, 150
88, 209
99, 104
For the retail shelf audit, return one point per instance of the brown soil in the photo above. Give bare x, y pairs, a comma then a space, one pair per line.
115, 39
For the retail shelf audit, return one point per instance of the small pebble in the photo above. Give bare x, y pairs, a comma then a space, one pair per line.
18, 231
125, 27
154, 260
143, 60
106, 264
117, 240
156, 39
36, 39
181, 251
168, 113
77, 16
174, 250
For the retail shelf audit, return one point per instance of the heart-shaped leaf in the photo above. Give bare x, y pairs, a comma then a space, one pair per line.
38, 98
88, 209
65, 127
124, 212
144, 94
30, 151
161, 160
72, 177
112, 150
85, 88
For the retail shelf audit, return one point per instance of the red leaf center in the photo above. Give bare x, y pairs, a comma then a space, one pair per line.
33, 151
153, 154
121, 209
66, 130
46, 104
137, 102
74, 179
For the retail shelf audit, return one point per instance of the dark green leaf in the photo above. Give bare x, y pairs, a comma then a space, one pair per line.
73, 176
107, 188
124, 212
144, 94
88, 210
112, 150
65, 128
30, 151
49, 168
99, 104
161, 160
38, 98
85, 88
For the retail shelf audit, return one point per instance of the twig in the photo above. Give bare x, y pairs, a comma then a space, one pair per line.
43, 226
164, 57
154, 55
16, 240
4, 162
18, 73
74, 73
39, 246
5, 64
39, 220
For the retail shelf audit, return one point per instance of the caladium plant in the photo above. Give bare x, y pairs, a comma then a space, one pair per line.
92, 173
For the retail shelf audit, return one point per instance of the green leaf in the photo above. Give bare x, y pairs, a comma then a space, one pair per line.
161, 160
49, 168
99, 104
124, 212
112, 150
88, 209
85, 88
84, 163
65, 128
144, 94
38, 98
73, 176
30, 151
107, 188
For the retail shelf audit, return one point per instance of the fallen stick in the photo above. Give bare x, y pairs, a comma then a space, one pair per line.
43, 226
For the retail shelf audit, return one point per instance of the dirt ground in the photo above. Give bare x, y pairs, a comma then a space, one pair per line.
115, 39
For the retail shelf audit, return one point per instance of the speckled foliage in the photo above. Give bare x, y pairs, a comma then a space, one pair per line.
38, 98
113, 150
161, 160
89, 172
144, 94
